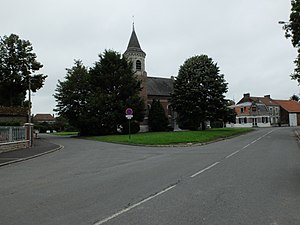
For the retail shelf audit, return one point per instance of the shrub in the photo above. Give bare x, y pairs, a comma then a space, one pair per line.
157, 117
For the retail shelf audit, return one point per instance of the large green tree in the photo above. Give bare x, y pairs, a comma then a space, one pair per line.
18, 64
73, 95
115, 88
95, 100
198, 92
292, 31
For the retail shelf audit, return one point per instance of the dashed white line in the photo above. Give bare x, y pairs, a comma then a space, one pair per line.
133, 206
232, 154
246, 146
257, 139
207, 168
169, 188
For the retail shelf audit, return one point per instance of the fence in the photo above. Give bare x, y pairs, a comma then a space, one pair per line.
12, 134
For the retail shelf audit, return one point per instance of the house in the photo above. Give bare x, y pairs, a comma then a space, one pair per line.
251, 114
152, 87
41, 118
290, 112
13, 114
273, 107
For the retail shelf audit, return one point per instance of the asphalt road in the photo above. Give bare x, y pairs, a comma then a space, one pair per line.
250, 179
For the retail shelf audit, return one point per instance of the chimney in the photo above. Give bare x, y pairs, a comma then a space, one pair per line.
267, 96
247, 95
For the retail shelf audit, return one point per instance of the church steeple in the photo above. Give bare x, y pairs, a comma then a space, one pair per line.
136, 55
134, 45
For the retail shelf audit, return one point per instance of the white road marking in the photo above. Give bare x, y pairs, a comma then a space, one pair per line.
207, 168
169, 188
246, 146
133, 206
232, 154
257, 139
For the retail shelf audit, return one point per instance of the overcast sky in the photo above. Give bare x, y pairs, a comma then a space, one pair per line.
243, 37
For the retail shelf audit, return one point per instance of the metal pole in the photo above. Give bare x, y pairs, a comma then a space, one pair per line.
29, 99
129, 129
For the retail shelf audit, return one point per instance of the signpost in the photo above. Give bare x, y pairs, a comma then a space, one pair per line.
129, 115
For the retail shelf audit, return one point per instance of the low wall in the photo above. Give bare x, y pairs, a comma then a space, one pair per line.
11, 146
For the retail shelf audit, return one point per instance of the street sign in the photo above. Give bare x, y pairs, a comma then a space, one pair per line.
129, 115
129, 111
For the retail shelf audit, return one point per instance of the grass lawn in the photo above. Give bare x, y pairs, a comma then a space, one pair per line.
169, 138
65, 133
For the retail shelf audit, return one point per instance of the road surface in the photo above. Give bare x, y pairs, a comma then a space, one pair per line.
250, 179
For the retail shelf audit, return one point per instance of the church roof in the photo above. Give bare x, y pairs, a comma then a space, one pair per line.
157, 86
134, 44
133, 41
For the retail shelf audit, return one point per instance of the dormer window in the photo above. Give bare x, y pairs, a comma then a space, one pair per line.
138, 65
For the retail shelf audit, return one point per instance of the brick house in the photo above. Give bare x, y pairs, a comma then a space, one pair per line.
251, 114
272, 106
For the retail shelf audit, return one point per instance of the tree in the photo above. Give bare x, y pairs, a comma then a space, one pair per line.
198, 92
295, 98
17, 64
157, 117
115, 88
94, 101
292, 30
73, 95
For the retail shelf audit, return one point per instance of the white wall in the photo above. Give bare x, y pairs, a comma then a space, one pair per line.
246, 125
293, 119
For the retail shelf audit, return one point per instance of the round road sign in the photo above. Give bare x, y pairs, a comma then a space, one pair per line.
129, 111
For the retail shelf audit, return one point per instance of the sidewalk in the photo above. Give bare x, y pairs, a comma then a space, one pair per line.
40, 147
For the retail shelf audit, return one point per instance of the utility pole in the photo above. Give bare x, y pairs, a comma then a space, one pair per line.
29, 99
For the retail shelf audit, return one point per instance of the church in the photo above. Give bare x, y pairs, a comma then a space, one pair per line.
152, 87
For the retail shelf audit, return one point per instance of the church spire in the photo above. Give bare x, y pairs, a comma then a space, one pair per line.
133, 41
134, 52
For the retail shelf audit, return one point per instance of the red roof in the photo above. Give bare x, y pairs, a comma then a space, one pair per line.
289, 105
43, 117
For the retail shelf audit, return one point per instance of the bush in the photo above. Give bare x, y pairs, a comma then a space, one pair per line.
157, 117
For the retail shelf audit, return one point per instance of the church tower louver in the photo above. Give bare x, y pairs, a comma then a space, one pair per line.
137, 56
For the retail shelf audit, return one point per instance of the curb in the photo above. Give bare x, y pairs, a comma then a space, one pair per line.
32, 157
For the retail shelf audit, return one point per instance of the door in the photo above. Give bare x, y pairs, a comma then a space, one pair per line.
254, 122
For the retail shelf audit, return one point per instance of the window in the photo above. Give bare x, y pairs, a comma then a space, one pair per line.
242, 110
265, 120
245, 120
271, 110
138, 65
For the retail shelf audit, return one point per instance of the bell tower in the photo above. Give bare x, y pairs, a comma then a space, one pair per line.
137, 56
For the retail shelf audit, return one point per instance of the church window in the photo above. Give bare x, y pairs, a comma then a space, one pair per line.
138, 65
